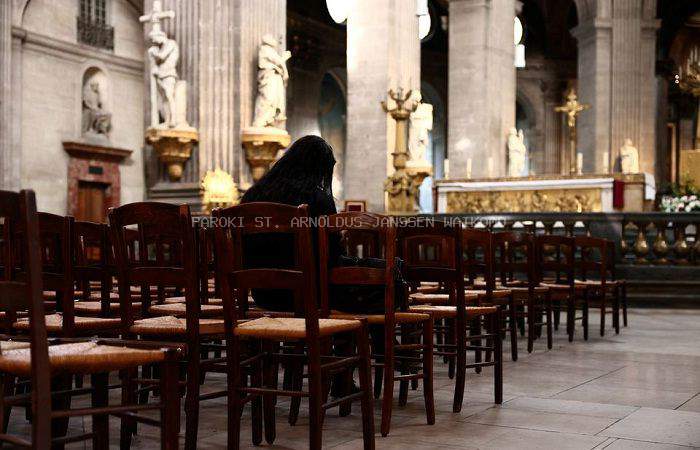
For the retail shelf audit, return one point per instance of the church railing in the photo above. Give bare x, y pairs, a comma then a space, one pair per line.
662, 239
96, 34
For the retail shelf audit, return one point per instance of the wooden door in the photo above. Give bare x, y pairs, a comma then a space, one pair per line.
91, 202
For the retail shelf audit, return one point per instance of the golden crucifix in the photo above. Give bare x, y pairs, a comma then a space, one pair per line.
572, 108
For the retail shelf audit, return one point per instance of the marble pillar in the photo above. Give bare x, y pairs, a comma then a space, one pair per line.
10, 68
481, 86
616, 75
383, 52
219, 40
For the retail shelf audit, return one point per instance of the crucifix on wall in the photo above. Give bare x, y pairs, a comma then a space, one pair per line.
572, 108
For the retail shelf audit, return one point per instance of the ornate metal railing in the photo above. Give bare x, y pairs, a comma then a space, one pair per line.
95, 34
642, 238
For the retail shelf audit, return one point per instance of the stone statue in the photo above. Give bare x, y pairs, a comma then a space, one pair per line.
96, 120
517, 153
270, 109
419, 126
164, 55
629, 157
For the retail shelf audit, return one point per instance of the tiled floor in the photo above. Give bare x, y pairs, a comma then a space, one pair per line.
638, 390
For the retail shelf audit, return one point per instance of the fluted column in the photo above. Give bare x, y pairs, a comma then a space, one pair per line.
481, 85
616, 75
383, 52
9, 163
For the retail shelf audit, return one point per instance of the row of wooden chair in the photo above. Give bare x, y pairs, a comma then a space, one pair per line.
154, 278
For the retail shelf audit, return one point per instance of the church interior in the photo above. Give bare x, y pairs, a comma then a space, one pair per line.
507, 174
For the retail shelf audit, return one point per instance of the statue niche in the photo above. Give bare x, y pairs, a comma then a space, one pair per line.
96, 118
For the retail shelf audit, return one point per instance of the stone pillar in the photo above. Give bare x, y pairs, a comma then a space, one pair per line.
481, 86
383, 52
219, 41
616, 75
553, 163
9, 97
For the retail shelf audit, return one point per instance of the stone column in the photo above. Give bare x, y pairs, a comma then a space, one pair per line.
9, 148
481, 86
553, 163
616, 75
383, 52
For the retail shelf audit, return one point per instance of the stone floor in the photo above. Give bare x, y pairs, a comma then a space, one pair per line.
638, 390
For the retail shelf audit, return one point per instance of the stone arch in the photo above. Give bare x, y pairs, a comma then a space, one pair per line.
332, 113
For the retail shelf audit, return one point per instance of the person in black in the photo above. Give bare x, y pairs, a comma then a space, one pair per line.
303, 175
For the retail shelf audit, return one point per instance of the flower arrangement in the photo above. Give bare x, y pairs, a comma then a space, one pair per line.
683, 197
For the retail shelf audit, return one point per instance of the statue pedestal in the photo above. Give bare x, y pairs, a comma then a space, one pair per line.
173, 147
261, 146
553, 193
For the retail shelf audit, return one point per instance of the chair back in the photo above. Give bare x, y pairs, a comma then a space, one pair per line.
515, 257
165, 257
233, 226
432, 251
555, 258
594, 258
370, 235
21, 290
90, 254
479, 257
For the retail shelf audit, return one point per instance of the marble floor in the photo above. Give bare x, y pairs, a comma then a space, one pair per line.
637, 390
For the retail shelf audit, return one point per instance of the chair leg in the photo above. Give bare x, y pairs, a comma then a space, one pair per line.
602, 314
428, 394
256, 404
460, 379
388, 394
498, 358
557, 312
315, 397
571, 316
585, 315
616, 309
624, 304
59, 427
364, 369
192, 397
451, 340
100, 422
474, 329
270, 381
512, 321
128, 398
296, 371
548, 307
531, 318
8, 387
170, 398
404, 366
235, 400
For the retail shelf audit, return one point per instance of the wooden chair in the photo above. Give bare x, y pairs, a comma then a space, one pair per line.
167, 259
308, 326
378, 235
556, 271
480, 265
21, 291
515, 266
433, 253
621, 283
594, 268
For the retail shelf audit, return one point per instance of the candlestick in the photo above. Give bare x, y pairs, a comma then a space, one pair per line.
606, 162
490, 166
446, 169
469, 167
579, 163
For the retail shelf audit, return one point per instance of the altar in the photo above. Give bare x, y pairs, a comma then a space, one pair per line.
547, 193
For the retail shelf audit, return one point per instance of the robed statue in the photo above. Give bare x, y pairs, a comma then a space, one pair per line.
270, 103
517, 153
96, 120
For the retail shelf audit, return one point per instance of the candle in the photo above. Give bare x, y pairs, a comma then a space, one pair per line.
606, 162
469, 167
490, 166
446, 169
579, 163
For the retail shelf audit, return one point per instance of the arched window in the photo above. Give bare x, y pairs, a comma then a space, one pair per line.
93, 26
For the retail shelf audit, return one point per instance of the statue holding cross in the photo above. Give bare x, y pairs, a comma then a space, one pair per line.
168, 94
572, 108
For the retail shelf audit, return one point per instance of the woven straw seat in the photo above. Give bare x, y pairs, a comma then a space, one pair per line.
428, 289
179, 310
564, 287
80, 357
54, 323
440, 312
524, 289
51, 295
379, 319
181, 299
433, 299
94, 308
481, 293
12, 345
169, 325
283, 328
254, 313
97, 296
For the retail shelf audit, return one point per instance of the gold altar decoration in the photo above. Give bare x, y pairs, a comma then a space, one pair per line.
688, 80
261, 145
173, 147
572, 108
219, 189
402, 186
541, 200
